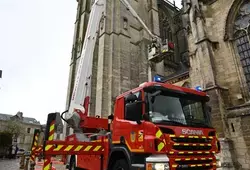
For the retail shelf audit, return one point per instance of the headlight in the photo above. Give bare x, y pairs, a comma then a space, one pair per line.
157, 166
157, 162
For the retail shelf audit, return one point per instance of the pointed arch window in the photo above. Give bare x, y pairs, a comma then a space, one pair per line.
242, 38
165, 31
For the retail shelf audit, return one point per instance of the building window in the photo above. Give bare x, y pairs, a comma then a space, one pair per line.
242, 38
28, 130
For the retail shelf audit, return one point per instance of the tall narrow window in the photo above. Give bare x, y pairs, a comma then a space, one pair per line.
242, 38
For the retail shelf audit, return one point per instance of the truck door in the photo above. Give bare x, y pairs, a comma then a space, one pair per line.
128, 127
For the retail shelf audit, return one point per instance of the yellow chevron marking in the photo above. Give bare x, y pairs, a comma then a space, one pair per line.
193, 165
207, 152
51, 137
181, 136
210, 137
47, 167
68, 147
174, 166
207, 164
190, 152
171, 136
195, 159
187, 159
58, 148
52, 127
160, 146
35, 143
186, 144
210, 158
190, 136
48, 147
177, 159
88, 148
202, 145
196, 136
199, 152
78, 148
181, 152
209, 145
204, 137
171, 152
199, 165
158, 134
194, 144
203, 158
213, 151
97, 148
176, 144
214, 163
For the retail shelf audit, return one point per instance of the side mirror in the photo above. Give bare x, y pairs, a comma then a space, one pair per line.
133, 111
131, 98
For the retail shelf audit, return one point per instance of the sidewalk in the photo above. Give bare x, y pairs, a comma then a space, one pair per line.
58, 165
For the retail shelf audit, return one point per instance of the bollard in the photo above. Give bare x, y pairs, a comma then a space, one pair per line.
32, 165
26, 163
22, 159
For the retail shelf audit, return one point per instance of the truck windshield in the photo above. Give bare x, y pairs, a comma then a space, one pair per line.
179, 111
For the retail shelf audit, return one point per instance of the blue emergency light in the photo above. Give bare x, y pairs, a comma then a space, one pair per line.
198, 88
157, 78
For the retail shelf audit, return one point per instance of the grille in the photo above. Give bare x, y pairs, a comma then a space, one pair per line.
191, 140
192, 148
195, 168
193, 163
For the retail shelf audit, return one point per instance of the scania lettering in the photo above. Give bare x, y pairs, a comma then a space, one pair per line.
192, 132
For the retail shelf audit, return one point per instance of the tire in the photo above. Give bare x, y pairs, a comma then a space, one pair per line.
120, 164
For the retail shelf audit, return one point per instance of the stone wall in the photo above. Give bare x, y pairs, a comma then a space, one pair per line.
215, 64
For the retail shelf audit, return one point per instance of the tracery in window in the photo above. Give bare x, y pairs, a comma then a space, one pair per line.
242, 38
165, 30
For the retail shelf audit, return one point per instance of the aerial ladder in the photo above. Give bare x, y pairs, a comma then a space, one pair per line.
78, 108
93, 145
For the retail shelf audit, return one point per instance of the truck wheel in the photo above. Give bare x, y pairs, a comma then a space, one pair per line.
120, 164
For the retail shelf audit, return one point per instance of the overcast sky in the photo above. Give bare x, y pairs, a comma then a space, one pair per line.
35, 49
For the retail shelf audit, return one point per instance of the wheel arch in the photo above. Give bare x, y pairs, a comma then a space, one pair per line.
119, 152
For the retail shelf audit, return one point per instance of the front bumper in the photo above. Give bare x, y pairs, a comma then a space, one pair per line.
163, 162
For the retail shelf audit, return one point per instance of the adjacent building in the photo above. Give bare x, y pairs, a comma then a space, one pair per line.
27, 126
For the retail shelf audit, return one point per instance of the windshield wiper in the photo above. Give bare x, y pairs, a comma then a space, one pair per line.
171, 121
198, 122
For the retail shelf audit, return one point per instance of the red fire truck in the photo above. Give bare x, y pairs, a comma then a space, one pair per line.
156, 126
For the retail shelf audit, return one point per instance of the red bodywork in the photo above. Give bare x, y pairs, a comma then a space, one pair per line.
147, 137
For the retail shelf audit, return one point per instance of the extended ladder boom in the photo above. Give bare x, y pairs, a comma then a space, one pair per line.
82, 86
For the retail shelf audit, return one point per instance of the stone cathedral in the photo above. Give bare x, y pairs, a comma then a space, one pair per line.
209, 46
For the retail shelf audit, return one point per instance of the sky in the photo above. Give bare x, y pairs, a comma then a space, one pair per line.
35, 48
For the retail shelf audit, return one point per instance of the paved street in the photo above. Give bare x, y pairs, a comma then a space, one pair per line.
13, 164
9, 164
